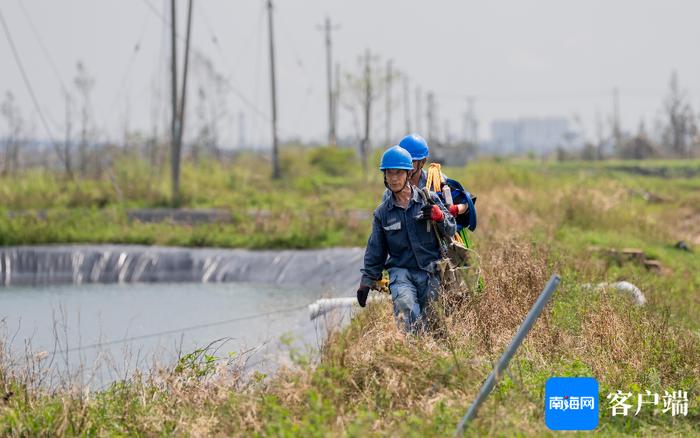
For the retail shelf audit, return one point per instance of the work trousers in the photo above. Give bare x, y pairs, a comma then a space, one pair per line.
412, 291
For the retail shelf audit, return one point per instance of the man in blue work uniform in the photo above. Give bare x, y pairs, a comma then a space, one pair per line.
418, 148
463, 208
402, 232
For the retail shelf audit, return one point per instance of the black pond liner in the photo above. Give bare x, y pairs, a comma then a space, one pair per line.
337, 268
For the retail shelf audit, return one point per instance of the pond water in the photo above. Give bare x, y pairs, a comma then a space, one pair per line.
109, 330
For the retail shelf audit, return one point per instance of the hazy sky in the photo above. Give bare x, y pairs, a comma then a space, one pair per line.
518, 58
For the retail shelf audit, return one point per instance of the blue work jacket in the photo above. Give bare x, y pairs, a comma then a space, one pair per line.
459, 195
400, 240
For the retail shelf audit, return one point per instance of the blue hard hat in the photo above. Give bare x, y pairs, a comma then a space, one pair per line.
416, 146
396, 157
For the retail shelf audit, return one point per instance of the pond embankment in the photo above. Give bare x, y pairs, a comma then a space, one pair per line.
336, 268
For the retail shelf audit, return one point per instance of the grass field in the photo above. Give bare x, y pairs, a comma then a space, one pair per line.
534, 218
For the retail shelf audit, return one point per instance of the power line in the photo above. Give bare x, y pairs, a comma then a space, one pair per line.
156, 11
229, 81
127, 71
214, 38
35, 101
176, 331
198, 53
43, 46
288, 38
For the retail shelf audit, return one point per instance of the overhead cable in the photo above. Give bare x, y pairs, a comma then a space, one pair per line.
27, 82
176, 331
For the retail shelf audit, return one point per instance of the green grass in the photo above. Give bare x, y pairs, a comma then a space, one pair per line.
307, 209
535, 218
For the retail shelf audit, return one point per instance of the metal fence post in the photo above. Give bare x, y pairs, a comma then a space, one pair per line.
492, 379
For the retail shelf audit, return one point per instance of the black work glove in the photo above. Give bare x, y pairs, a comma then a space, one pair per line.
362, 294
431, 212
425, 212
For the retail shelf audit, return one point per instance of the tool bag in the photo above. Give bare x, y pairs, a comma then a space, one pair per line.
436, 182
450, 248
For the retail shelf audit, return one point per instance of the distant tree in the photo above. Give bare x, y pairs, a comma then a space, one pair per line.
589, 152
695, 139
66, 154
211, 105
156, 146
204, 130
601, 140
364, 89
680, 126
639, 147
13, 139
84, 84
563, 154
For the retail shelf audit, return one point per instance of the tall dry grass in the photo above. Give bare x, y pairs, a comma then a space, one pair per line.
372, 380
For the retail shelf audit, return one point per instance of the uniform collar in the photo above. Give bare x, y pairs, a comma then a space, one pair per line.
423, 180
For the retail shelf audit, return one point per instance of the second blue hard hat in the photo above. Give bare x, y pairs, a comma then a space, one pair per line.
416, 146
396, 157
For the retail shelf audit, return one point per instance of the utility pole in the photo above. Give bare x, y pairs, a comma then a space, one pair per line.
125, 142
600, 135
174, 128
470, 124
387, 126
368, 109
67, 142
327, 28
475, 123
617, 134
448, 136
177, 152
406, 106
336, 101
273, 85
430, 116
183, 93
241, 130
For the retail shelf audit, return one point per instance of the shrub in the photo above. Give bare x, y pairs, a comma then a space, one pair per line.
334, 161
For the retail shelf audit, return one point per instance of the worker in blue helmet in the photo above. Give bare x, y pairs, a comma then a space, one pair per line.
461, 205
418, 148
404, 242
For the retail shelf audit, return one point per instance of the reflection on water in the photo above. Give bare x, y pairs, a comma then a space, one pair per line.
111, 329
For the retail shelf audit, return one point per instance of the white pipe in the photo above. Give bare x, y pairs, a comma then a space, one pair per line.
622, 286
325, 305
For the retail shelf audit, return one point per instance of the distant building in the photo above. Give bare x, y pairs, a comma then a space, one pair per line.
456, 155
538, 135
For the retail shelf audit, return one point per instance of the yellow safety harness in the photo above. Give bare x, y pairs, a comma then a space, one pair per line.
434, 184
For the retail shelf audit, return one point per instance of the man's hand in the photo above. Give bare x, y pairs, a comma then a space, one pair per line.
432, 212
457, 209
362, 294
